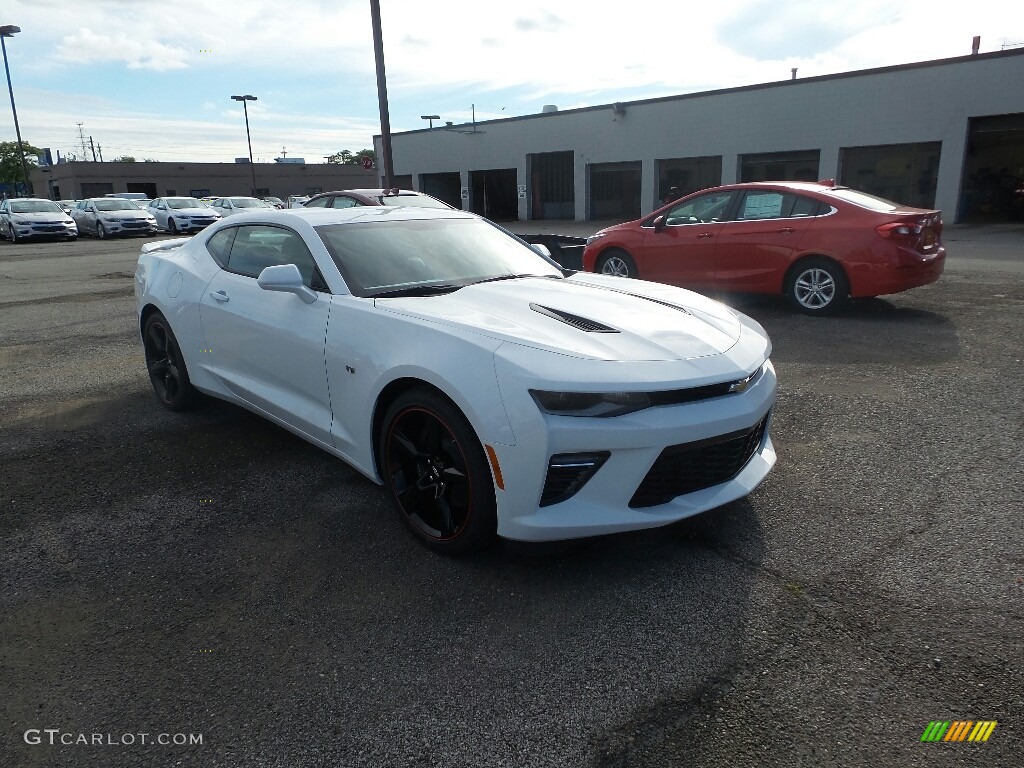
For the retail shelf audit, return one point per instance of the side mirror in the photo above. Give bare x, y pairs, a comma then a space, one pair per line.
659, 223
286, 278
542, 249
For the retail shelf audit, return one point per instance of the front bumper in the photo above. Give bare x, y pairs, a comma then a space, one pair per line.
613, 499
129, 227
191, 225
45, 229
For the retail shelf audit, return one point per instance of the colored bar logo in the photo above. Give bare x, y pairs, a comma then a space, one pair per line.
958, 730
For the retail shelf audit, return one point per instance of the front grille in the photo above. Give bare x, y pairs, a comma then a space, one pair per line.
135, 225
690, 467
48, 227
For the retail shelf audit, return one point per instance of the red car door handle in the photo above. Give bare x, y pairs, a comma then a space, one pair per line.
704, 234
787, 229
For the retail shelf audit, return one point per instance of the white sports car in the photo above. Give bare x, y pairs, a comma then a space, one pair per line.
488, 390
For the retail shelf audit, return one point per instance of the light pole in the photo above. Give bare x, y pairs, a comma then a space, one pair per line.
382, 97
9, 30
248, 138
431, 118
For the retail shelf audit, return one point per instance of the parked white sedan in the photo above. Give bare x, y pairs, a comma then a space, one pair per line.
25, 217
490, 392
182, 214
109, 216
229, 206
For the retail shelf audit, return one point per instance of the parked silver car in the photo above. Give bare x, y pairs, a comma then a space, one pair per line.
182, 214
107, 216
227, 206
26, 217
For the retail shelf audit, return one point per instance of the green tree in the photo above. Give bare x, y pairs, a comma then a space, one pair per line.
124, 159
10, 161
348, 157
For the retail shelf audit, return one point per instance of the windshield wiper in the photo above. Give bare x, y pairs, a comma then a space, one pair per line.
417, 290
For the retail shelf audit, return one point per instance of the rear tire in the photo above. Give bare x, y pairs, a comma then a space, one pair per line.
618, 263
817, 286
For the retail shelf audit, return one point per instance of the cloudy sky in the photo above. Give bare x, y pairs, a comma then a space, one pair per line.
153, 78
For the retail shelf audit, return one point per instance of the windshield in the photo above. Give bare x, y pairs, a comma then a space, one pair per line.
379, 257
414, 201
35, 206
179, 203
116, 205
248, 202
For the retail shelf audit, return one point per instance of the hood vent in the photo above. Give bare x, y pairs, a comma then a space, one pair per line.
663, 303
582, 323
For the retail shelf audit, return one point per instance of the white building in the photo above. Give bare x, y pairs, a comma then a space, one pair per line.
947, 134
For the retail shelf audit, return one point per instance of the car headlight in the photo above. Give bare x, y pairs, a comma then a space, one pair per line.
596, 236
590, 403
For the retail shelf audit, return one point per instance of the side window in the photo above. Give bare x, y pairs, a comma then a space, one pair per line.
763, 205
219, 245
700, 210
344, 202
805, 206
320, 202
259, 246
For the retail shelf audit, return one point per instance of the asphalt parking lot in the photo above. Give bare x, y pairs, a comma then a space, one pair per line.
210, 574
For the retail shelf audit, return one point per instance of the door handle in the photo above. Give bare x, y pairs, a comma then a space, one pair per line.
219, 296
787, 229
704, 234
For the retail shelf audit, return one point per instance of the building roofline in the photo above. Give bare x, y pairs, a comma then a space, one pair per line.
735, 89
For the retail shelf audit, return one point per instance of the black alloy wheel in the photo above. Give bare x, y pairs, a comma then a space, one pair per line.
436, 473
166, 366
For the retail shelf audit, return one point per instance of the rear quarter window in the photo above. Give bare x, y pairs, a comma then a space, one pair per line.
219, 245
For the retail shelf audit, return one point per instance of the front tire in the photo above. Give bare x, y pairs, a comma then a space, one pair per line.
101, 231
166, 366
618, 263
172, 228
817, 286
437, 476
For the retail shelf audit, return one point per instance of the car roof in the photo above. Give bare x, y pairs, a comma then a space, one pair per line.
322, 216
375, 192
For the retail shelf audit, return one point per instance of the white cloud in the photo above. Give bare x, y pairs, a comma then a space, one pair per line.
88, 47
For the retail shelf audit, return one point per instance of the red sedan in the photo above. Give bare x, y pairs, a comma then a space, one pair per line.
816, 243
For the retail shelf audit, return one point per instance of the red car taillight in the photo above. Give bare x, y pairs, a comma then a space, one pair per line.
899, 229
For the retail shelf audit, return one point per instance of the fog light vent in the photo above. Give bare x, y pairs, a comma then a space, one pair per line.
567, 473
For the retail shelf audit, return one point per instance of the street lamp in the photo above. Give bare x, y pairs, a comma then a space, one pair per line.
248, 138
9, 30
431, 118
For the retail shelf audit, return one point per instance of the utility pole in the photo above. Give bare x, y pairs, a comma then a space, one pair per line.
382, 96
100, 150
93, 149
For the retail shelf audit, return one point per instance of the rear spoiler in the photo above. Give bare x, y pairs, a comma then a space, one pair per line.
164, 245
